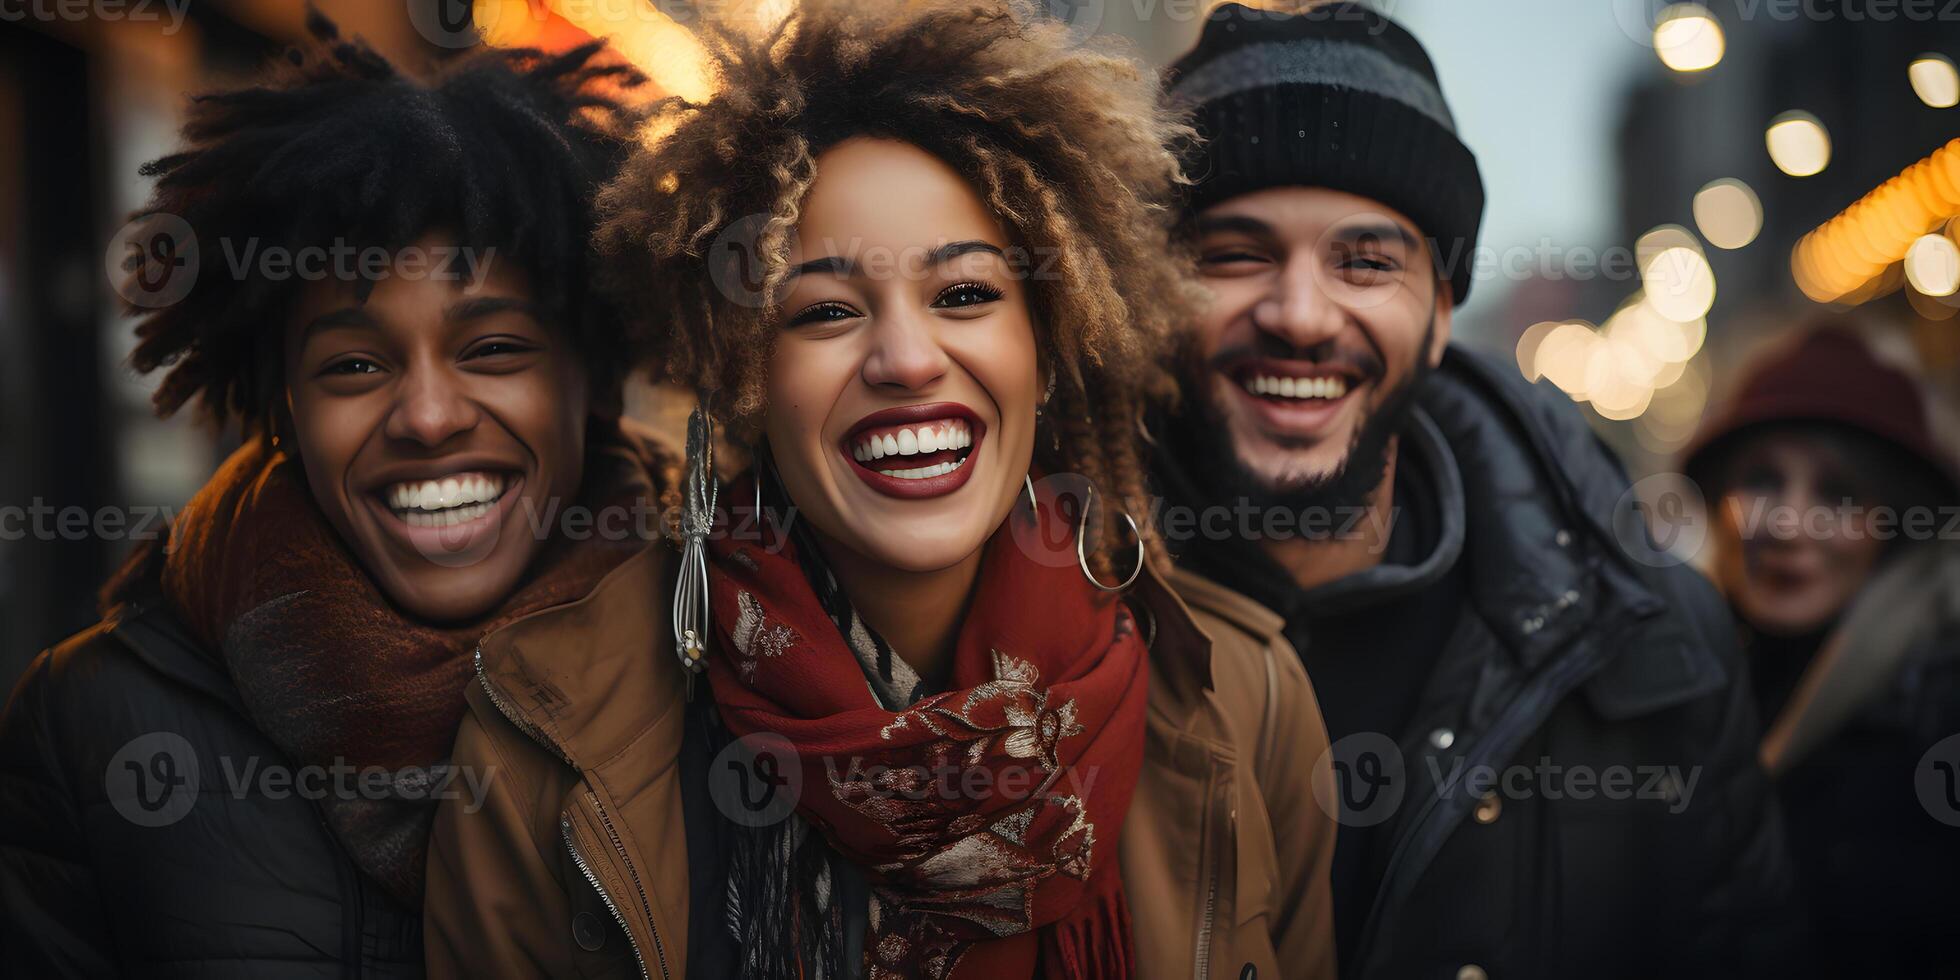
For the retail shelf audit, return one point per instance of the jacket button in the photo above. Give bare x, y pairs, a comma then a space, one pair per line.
1488, 808
1471, 971
1442, 738
588, 932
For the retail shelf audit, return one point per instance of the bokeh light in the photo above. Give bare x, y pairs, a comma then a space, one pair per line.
1935, 81
1676, 276
1688, 38
1933, 265
1798, 144
1729, 213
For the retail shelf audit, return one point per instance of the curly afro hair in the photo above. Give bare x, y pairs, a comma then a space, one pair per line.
1066, 143
504, 150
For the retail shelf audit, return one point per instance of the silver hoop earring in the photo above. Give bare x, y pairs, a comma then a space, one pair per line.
1034, 510
1082, 558
698, 497
756, 514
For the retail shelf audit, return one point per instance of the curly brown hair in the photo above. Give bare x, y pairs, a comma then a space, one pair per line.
1067, 144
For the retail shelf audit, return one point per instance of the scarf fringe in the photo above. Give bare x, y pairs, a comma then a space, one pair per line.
1093, 945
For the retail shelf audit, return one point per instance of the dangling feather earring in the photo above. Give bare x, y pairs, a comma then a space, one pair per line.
698, 496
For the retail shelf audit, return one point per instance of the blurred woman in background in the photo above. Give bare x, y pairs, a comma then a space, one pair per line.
1834, 518
915, 257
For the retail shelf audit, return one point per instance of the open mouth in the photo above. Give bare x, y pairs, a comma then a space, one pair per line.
915, 451
447, 501
1263, 383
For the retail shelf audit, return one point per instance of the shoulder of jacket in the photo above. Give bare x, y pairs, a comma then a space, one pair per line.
1256, 675
1226, 615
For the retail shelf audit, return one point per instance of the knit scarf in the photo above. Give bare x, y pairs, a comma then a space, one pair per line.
986, 816
329, 670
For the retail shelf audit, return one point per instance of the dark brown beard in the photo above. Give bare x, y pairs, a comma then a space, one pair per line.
1216, 466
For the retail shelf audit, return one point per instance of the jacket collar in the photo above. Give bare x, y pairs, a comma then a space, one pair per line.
1180, 652
592, 675
1540, 508
1549, 513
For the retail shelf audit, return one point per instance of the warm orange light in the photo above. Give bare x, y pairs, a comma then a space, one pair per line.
1866, 250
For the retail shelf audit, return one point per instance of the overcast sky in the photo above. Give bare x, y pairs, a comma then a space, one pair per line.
1536, 86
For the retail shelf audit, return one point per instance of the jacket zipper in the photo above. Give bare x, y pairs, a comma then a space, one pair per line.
1207, 860
619, 847
1527, 714
510, 714
565, 826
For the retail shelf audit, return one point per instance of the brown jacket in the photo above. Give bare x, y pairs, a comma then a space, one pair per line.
575, 866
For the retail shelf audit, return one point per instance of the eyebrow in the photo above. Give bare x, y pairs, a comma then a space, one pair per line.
1243, 224
838, 265
344, 317
1376, 231
477, 307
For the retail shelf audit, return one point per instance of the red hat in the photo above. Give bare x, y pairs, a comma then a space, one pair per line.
1827, 374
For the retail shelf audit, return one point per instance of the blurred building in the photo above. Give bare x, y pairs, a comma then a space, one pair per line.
1842, 63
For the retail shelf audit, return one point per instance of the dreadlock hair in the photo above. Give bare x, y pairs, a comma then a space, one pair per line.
1066, 143
503, 150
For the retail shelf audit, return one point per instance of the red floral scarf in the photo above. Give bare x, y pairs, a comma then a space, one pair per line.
986, 816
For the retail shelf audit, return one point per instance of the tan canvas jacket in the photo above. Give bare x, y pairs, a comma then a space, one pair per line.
575, 865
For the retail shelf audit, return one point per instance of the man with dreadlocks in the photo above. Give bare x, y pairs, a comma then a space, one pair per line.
236, 770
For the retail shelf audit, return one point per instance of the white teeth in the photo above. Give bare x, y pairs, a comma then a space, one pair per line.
930, 438
1334, 387
446, 497
445, 518
925, 472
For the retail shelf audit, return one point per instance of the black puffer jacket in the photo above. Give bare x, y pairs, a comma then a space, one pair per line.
126, 850
1577, 649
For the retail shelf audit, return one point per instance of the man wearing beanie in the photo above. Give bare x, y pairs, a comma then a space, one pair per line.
1545, 745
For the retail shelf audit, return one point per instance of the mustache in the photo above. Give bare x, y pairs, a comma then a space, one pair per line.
1358, 361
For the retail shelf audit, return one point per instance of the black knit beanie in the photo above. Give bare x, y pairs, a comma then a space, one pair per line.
1337, 96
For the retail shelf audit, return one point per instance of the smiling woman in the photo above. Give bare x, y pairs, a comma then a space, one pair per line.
918, 258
